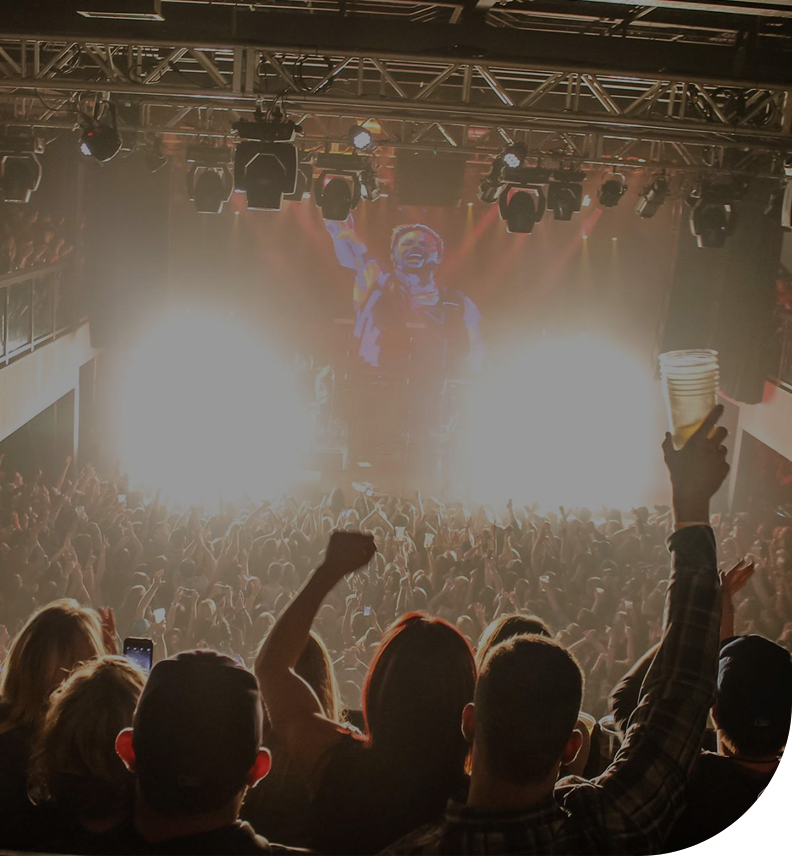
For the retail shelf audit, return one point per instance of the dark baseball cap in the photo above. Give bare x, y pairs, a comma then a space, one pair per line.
196, 732
754, 694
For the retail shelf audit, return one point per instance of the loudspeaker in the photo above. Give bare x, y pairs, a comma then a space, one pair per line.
125, 247
725, 298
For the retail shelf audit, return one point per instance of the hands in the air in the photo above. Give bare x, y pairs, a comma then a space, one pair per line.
346, 553
698, 469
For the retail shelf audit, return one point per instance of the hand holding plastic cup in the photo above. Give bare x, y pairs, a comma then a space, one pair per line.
690, 387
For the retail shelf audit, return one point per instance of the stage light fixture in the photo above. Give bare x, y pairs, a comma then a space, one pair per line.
711, 223
652, 197
337, 195
100, 141
20, 176
514, 156
564, 198
266, 161
369, 184
712, 215
522, 208
211, 188
361, 138
344, 180
611, 190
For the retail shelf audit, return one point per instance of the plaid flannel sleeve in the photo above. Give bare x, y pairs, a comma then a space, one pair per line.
635, 801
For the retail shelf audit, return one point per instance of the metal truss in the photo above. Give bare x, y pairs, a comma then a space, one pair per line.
468, 105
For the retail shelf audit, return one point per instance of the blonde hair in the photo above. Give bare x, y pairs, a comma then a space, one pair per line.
55, 639
74, 760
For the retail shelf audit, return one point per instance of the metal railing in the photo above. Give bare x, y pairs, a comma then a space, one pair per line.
783, 376
36, 307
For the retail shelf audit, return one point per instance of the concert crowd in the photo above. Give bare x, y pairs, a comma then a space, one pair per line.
428, 676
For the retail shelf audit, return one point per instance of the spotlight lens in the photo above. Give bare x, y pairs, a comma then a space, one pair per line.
361, 138
512, 160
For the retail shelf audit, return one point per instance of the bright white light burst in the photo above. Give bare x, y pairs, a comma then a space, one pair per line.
205, 411
566, 421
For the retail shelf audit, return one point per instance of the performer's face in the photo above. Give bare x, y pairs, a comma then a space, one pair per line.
416, 249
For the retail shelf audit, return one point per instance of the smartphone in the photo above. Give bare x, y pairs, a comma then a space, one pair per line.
428, 539
367, 611
159, 615
140, 651
400, 533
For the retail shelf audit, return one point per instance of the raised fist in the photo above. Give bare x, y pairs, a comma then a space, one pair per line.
347, 552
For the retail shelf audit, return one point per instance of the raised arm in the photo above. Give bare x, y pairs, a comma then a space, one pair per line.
296, 716
643, 790
352, 253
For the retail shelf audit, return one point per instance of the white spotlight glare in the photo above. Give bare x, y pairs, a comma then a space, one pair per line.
577, 424
205, 410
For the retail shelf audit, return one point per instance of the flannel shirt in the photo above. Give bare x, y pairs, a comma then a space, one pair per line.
630, 807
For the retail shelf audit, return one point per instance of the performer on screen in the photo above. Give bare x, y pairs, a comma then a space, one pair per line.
402, 316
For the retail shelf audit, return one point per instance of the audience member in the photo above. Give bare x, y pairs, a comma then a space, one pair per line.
528, 694
368, 791
76, 775
55, 639
194, 748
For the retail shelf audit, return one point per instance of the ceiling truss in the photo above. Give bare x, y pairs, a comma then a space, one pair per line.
466, 105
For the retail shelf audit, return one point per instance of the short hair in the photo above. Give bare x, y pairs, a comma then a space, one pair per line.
527, 702
74, 761
505, 627
397, 233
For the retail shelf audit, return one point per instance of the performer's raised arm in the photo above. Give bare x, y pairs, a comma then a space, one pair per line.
352, 253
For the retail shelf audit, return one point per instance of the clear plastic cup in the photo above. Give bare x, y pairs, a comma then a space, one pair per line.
690, 387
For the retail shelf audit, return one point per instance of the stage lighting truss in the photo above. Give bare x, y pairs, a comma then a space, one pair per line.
612, 189
712, 215
652, 197
209, 182
344, 179
100, 138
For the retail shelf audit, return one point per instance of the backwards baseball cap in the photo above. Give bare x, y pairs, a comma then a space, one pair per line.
754, 694
196, 732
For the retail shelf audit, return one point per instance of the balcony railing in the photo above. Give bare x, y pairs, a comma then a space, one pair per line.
784, 374
35, 308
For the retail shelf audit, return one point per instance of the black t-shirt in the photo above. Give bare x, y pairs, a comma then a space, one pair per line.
719, 792
236, 839
366, 801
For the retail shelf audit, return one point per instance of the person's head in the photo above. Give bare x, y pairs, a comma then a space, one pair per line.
505, 627
416, 248
74, 761
50, 645
526, 705
194, 745
753, 700
419, 681
316, 668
